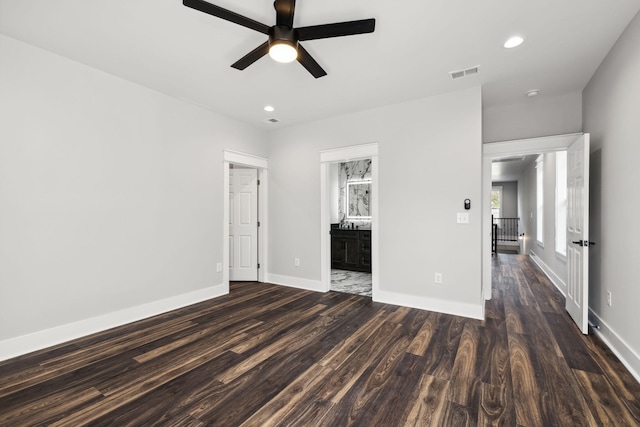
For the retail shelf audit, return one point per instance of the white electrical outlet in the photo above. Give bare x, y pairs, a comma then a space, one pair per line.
609, 298
296, 262
438, 278
219, 267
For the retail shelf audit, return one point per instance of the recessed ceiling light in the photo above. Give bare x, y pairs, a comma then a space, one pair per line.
514, 41
269, 108
533, 92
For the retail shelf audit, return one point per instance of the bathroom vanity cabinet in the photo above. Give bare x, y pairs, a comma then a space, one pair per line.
351, 249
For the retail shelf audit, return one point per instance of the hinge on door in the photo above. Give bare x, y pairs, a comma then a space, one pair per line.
258, 182
258, 265
258, 223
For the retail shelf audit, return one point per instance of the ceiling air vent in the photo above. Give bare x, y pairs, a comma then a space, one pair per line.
458, 74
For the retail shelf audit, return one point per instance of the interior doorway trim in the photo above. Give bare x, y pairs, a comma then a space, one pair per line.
262, 165
494, 150
347, 154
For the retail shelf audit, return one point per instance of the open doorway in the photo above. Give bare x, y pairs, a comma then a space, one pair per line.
509, 197
349, 207
554, 211
350, 212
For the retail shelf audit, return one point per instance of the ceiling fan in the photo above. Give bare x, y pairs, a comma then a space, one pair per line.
283, 44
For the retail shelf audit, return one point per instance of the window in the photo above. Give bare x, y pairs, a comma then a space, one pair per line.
496, 202
561, 203
539, 199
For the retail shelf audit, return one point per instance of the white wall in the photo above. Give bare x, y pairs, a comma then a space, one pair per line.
533, 117
429, 162
509, 198
110, 193
611, 110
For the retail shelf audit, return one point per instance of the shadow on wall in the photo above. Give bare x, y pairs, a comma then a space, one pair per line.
595, 228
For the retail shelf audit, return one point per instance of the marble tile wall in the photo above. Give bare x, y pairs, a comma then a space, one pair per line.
359, 195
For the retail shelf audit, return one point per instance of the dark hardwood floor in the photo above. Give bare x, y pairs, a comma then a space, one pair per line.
266, 355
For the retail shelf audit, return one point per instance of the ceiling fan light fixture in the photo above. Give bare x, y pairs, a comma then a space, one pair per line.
283, 44
283, 52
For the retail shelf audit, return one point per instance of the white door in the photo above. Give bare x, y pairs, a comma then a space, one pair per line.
243, 224
577, 303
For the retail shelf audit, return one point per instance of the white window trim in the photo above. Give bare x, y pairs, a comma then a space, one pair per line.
540, 200
561, 183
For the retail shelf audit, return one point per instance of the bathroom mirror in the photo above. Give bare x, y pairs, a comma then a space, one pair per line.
358, 200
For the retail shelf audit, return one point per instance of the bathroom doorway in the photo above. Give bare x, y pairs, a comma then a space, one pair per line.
349, 207
350, 213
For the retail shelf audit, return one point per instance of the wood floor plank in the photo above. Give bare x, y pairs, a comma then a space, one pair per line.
270, 355
48, 408
173, 400
346, 375
262, 335
338, 355
527, 393
495, 368
497, 406
441, 351
422, 339
363, 393
573, 348
68, 362
427, 407
465, 380
404, 379
605, 405
285, 402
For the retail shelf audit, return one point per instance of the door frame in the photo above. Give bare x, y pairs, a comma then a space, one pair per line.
347, 154
494, 150
262, 165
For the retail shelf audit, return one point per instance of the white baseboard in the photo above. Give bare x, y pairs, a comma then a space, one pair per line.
474, 311
295, 282
555, 279
629, 358
442, 306
49, 337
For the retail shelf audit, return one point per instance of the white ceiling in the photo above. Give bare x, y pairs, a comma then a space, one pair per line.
186, 54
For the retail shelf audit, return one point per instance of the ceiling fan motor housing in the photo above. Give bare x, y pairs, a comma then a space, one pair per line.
282, 34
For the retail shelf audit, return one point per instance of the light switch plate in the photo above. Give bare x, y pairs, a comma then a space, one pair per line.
463, 218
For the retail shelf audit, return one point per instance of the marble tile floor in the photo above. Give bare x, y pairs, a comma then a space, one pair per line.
351, 282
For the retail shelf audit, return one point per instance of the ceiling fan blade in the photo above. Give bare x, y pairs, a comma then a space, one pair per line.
309, 63
338, 29
284, 12
252, 56
227, 15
